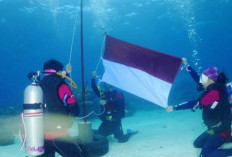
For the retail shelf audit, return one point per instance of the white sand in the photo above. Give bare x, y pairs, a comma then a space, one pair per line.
160, 134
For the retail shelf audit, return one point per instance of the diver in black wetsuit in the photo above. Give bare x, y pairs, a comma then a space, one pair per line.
216, 113
60, 109
113, 105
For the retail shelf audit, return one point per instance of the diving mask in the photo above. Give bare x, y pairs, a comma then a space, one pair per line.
203, 79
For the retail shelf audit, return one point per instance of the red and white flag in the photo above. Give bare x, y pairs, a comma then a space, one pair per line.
143, 72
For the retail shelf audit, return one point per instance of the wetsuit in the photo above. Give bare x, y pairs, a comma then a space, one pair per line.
114, 111
60, 107
216, 116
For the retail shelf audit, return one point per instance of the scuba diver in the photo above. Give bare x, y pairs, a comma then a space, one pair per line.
196, 78
216, 113
60, 106
113, 108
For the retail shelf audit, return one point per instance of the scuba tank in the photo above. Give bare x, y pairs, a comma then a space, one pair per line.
229, 91
33, 117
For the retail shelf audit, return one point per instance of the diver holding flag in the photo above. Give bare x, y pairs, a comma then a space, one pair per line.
216, 111
113, 110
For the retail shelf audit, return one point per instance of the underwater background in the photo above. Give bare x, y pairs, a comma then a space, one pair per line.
33, 31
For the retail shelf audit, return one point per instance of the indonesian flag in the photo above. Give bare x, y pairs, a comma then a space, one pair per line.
143, 72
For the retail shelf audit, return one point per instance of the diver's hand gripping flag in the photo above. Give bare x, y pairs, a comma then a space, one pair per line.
143, 72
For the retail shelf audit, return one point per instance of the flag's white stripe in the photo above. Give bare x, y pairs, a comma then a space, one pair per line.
137, 82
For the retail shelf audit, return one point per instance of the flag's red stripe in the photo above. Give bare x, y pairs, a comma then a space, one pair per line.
155, 63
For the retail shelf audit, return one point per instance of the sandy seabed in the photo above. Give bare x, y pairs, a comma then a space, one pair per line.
160, 134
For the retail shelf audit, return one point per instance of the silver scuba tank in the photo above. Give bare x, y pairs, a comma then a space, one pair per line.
33, 118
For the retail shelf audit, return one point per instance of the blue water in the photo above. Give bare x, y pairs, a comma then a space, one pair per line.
33, 31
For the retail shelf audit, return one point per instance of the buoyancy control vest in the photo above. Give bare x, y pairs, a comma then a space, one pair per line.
56, 114
221, 113
115, 106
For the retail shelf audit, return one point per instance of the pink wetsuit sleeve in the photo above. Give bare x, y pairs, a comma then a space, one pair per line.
63, 90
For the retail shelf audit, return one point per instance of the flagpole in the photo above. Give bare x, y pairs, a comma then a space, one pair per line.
82, 60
